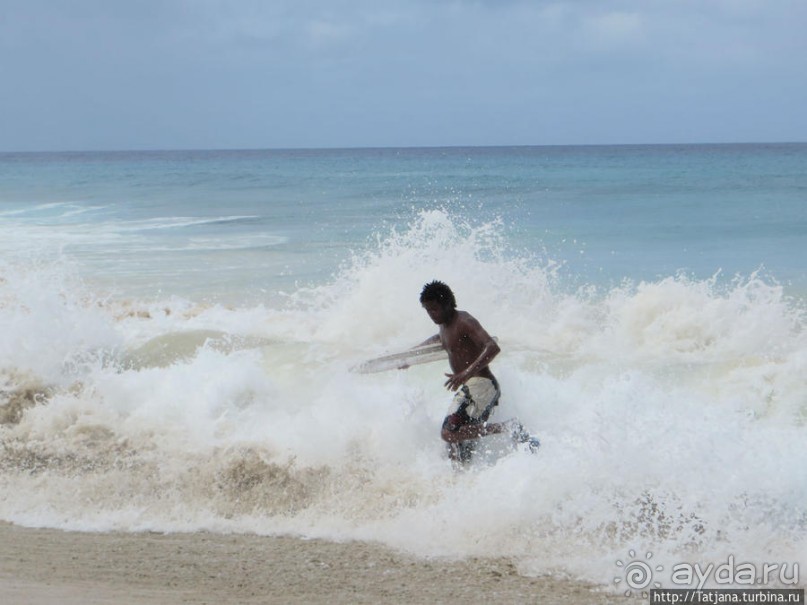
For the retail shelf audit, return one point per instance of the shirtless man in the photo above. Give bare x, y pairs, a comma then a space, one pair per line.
470, 350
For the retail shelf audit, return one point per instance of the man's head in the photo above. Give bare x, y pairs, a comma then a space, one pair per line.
438, 300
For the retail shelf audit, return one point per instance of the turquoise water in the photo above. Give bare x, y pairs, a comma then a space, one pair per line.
179, 331
270, 219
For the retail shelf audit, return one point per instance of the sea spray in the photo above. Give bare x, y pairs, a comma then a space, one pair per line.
671, 411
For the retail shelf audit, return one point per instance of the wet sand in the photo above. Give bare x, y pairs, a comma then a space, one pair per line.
44, 566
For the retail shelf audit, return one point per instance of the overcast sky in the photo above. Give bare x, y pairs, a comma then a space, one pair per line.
182, 74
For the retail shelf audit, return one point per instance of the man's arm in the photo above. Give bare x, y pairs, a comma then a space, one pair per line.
432, 340
490, 349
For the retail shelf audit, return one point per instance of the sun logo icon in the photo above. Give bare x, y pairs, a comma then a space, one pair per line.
638, 574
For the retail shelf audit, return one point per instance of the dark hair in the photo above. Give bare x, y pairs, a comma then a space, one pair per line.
440, 292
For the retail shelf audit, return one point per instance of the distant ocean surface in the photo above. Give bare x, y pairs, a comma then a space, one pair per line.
179, 328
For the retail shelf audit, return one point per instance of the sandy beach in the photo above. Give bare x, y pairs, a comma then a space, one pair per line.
44, 566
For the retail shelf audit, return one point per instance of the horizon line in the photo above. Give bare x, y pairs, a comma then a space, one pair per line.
392, 147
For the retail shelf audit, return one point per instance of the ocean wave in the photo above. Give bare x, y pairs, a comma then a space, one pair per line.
182, 222
672, 412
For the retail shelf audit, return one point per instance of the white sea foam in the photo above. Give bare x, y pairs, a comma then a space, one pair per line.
671, 413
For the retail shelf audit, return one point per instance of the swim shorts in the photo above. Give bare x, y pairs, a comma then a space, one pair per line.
474, 401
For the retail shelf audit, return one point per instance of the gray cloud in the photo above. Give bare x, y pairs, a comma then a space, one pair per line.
215, 73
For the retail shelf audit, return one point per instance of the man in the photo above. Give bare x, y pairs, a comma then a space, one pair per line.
470, 350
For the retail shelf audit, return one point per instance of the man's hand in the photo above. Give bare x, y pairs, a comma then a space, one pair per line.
455, 381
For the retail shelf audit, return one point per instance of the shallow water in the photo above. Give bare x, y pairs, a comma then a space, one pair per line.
180, 328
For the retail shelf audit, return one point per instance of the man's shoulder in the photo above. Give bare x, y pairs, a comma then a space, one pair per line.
465, 318
464, 315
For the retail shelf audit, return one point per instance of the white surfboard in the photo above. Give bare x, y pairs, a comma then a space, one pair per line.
398, 361
404, 359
